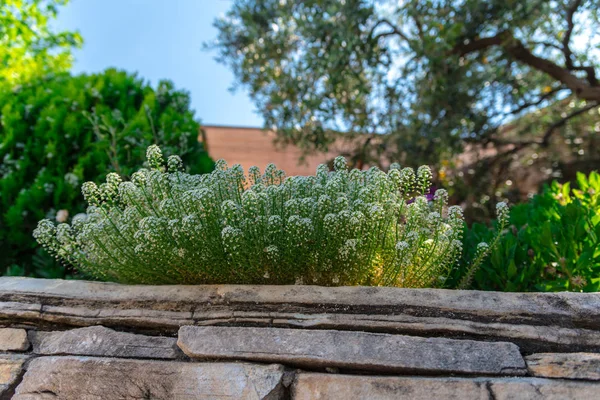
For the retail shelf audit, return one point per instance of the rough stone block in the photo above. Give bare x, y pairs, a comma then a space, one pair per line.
104, 342
77, 378
565, 365
351, 350
13, 339
311, 386
11, 368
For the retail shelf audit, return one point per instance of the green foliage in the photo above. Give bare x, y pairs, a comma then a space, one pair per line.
335, 228
553, 243
418, 81
28, 46
59, 131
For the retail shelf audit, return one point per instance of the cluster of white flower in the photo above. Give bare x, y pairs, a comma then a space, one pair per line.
338, 227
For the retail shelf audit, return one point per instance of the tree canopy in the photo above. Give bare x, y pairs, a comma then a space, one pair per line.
423, 78
28, 44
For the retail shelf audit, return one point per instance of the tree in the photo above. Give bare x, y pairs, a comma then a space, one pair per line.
59, 131
417, 81
28, 45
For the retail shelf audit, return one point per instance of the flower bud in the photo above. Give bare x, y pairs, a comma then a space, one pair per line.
174, 164
339, 164
91, 193
424, 177
154, 157
503, 213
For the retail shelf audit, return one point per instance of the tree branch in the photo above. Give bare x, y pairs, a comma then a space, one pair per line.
580, 88
546, 138
481, 44
537, 102
519, 144
518, 51
591, 74
567, 36
546, 44
545, 141
419, 26
394, 31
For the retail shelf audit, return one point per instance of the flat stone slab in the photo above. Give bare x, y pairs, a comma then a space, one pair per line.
537, 322
561, 309
351, 350
76, 378
11, 368
565, 365
312, 386
13, 339
104, 342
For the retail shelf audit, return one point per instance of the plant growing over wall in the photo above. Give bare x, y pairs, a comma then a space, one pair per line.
58, 132
553, 243
335, 228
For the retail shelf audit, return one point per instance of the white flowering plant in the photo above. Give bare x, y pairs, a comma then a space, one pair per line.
341, 227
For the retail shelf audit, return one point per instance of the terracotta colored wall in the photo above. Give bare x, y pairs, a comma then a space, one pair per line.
253, 146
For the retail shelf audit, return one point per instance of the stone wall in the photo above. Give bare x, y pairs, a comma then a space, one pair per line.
88, 340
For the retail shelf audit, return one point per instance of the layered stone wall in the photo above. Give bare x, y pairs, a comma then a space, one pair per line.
88, 340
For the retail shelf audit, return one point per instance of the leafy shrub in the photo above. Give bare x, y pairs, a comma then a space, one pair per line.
30, 44
60, 131
553, 243
335, 228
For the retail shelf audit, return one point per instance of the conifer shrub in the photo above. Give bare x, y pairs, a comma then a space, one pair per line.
341, 227
59, 131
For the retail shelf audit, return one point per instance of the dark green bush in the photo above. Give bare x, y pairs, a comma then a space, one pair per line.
58, 132
552, 244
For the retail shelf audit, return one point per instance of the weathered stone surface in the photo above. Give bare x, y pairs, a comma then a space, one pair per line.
104, 342
13, 339
11, 368
537, 322
574, 309
79, 378
328, 329
312, 386
565, 365
351, 350
529, 338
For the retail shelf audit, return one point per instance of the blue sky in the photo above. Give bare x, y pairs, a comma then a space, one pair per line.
161, 39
